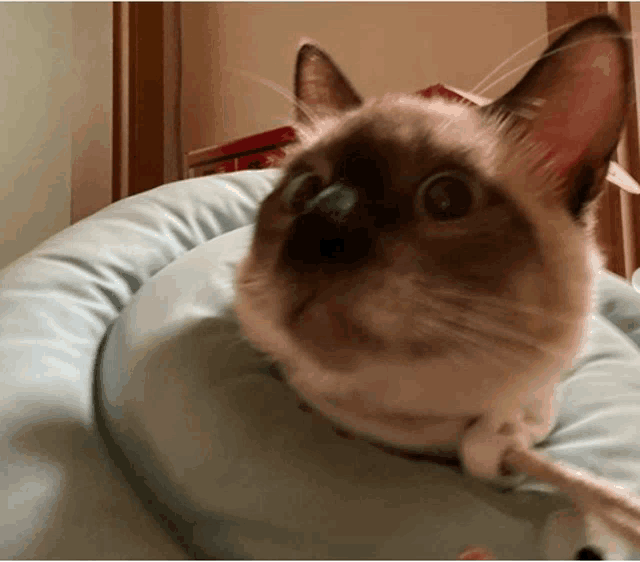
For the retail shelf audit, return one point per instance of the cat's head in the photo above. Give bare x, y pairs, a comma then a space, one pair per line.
424, 263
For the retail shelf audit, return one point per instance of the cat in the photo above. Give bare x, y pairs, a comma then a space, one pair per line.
423, 269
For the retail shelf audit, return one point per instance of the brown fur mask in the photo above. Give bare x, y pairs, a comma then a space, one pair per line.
425, 265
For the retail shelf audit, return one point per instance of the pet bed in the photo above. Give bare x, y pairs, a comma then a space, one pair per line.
126, 382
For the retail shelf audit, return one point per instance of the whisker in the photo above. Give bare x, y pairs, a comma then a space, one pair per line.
530, 44
490, 304
505, 344
496, 311
550, 53
491, 319
309, 113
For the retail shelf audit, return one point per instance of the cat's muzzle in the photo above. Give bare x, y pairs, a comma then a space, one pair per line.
327, 232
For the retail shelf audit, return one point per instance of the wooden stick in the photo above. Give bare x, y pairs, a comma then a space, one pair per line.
617, 507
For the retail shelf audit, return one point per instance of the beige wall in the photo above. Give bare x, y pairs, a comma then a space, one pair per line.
55, 99
381, 46
55, 93
92, 105
35, 155
635, 26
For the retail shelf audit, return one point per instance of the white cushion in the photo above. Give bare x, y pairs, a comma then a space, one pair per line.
60, 494
224, 445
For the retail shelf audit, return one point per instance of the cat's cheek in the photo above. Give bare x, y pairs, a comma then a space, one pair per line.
254, 306
279, 222
242, 270
260, 329
597, 259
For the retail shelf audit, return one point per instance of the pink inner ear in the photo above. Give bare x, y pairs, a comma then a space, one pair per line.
581, 117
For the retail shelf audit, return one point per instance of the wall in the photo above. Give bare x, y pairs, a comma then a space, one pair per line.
55, 107
381, 47
91, 107
35, 155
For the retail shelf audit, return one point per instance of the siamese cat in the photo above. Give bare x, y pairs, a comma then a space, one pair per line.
423, 270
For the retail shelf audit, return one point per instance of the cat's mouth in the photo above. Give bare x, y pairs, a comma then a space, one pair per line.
443, 451
301, 305
417, 432
389, 416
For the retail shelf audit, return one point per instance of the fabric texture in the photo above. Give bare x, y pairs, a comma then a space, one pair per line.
223, 443
60, 496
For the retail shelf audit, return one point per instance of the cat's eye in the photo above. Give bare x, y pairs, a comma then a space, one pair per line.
446, 196
301, 189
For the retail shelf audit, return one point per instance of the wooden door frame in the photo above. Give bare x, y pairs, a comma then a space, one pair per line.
147, 85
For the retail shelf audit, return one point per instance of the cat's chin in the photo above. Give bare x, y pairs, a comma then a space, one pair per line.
412, 403
422, 408
420, 433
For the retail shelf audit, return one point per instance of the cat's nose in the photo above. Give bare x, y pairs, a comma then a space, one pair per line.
335, 202
328, 232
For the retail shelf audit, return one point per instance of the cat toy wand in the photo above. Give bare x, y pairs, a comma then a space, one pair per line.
486, 452
616, 507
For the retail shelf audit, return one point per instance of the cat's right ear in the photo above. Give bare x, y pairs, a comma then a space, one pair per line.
320, 85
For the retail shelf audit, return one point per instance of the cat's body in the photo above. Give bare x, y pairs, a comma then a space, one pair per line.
425, 266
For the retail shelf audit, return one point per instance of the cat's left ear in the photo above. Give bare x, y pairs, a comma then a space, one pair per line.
320, 85
578, 93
